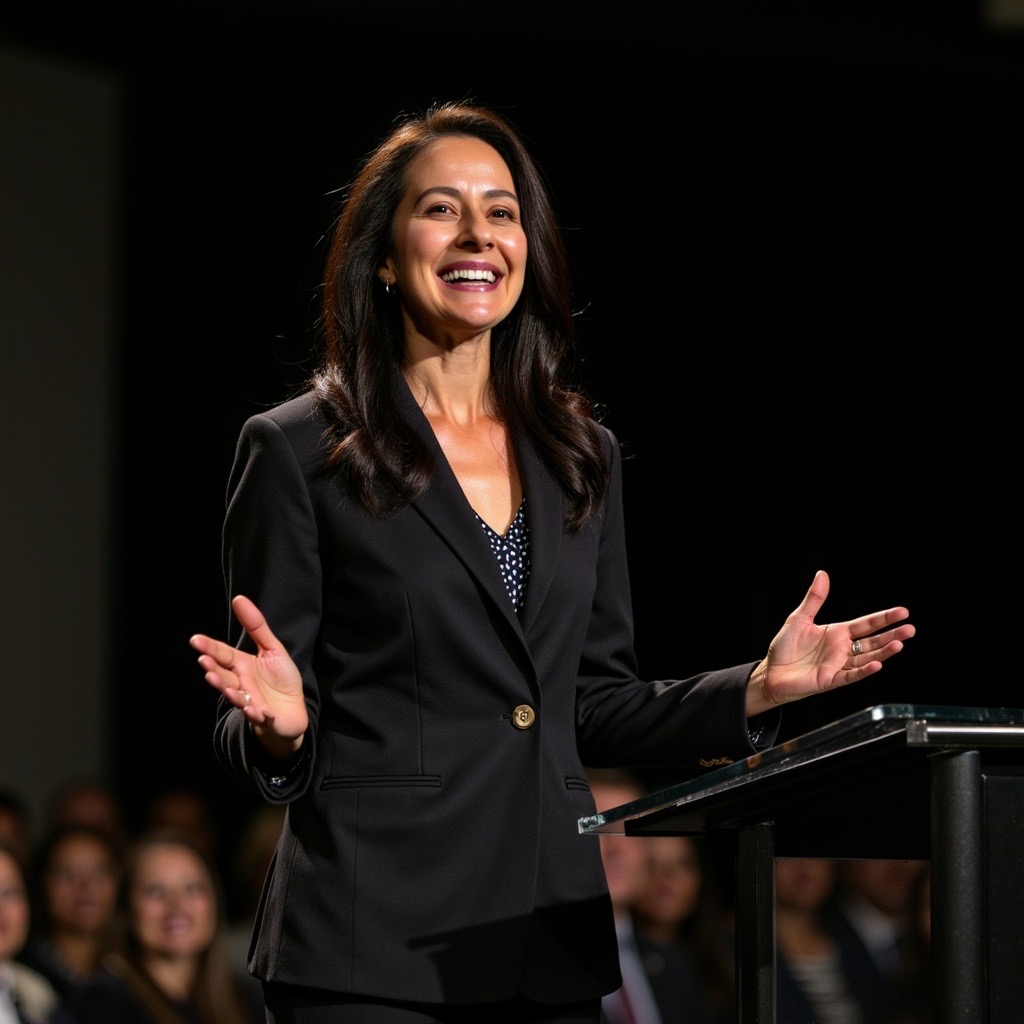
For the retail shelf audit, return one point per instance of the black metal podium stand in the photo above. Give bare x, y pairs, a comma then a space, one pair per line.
944, 784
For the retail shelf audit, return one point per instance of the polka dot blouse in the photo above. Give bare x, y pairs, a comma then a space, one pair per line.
513, 553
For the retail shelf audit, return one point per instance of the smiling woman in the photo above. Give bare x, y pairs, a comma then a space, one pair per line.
434, 528
169, 964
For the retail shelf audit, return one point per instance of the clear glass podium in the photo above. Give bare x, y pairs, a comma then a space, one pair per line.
944, 784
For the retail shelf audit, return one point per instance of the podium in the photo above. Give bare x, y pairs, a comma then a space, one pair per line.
943, 784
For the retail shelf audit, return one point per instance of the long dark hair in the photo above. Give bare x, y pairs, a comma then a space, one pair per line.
384, 462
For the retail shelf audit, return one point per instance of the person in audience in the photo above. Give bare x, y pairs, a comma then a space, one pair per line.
89, 800
910, 997
874, 895
75, 874
169, 964
15, 822
189, 810
26, 997
824, 972
680, 906
250, 862
658, 984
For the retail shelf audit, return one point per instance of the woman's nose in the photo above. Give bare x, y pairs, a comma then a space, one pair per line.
476, 233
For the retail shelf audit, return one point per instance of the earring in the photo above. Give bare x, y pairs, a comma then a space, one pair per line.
388, 285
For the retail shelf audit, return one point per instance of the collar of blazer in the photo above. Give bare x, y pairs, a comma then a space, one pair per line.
544, 512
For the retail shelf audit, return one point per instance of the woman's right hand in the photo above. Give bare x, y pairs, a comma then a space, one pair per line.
266, 686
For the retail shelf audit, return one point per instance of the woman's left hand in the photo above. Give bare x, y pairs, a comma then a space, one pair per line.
805, 658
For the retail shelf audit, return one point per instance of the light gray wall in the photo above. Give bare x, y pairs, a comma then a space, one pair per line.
59, 182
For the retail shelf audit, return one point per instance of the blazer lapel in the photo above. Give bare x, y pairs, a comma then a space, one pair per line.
445, 507
544, 516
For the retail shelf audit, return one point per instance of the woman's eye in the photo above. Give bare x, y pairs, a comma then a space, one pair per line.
442, 208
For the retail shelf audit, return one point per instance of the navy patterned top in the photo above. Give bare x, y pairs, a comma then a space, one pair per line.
513, 553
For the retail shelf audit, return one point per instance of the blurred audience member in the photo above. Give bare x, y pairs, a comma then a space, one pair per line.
15, 822
88, 800
658, 986
679, 907
824, 972
188, 810
75, 874
911, 986
26, 997
250, 862
875, 897
170, 963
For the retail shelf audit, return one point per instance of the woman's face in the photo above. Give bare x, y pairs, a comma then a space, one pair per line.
460, 249
80, 885
172, 903
803, 883
673, 886
14, 908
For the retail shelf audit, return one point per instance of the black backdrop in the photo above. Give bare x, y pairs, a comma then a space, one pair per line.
794, 230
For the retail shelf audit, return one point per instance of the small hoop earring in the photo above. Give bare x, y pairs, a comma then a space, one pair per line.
388, 285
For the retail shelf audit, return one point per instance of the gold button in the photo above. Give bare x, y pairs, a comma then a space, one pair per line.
523, 716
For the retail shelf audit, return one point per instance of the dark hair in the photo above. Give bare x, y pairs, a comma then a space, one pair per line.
384, 461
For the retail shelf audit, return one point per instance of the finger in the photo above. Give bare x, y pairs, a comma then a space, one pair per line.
815, 596
216, 650
252, 621
876, 620
219, 677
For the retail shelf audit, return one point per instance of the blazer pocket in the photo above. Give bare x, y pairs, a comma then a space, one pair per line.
378, 781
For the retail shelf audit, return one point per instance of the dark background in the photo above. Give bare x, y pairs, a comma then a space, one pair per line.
795, 232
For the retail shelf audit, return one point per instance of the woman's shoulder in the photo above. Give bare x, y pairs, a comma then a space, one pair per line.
301, 409
298, 420
108, 999
37, 998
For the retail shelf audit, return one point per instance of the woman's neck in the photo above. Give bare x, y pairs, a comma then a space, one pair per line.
174, 976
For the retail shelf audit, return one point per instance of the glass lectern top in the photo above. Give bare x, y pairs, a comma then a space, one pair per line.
912, 724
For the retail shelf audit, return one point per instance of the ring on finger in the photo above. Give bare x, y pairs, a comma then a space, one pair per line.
857, 647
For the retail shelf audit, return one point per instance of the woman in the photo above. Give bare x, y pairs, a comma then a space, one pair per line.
25, 995
824, 972
679, 907
433, 531
76, 870
170, 963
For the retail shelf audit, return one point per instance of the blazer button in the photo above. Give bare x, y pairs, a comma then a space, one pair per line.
523, 716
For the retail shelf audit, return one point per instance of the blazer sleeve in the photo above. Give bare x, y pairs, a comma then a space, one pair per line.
271, 555
699, 720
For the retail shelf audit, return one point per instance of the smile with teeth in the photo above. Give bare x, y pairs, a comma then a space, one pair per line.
451, 276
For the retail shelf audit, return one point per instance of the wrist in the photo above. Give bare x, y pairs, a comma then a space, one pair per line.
757, 697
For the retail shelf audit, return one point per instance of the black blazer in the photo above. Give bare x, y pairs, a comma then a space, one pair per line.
431, 849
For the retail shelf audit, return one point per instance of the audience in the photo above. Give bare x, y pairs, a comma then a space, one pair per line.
170, 963
26, 997
75, 883
658, 985
680, 906
824, 972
